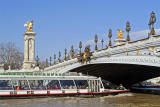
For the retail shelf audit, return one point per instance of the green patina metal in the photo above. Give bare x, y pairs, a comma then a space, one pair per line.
30, 74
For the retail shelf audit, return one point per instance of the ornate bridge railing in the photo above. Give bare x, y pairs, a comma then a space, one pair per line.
141, 52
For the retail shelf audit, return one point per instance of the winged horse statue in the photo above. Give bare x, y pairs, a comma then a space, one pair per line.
29, 26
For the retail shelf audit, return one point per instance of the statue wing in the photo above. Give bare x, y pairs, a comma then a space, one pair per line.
25, 25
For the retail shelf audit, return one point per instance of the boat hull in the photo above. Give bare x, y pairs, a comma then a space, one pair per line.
146, 90
46, 93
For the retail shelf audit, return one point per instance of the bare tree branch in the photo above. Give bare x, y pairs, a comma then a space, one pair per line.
10, 55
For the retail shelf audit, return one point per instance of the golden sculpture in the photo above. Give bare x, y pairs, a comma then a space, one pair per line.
151, 48
29, 25
138, 52
120, 34
85, 55
126, 52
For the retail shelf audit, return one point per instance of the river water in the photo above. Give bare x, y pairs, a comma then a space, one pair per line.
120, 100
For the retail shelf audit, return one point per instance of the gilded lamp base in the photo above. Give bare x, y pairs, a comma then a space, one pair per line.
152, 31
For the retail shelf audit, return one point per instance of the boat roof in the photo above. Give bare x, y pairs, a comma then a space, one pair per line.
42, 76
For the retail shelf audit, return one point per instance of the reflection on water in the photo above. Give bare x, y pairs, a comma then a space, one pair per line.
107, 101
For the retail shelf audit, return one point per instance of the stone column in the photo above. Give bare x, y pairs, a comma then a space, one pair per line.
29, 61
25, 49
31, 49
32, 58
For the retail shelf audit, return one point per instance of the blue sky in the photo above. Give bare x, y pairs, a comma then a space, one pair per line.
61, 23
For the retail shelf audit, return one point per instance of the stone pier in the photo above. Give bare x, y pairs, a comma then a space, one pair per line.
29, 50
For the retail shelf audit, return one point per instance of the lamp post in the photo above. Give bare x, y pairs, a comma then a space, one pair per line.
110, 36
72, 52
80, 47
152, 20
46, 62
59, 59
37, 60
54, 58
102, 42
65, 53
96, 40
50, 60
128, 28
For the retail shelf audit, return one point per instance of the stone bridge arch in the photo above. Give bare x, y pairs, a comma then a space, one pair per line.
127, 64
119, 70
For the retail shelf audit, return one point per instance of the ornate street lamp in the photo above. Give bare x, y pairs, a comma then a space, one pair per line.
102, 42
110, 36
65, 54
80, 47
59, 59
152, 20
50, 60
54, 58
96, 40
37, 60
128, 28
72, 52
46, 62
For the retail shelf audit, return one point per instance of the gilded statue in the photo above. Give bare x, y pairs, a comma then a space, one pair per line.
120, 34
29, 25
86, 56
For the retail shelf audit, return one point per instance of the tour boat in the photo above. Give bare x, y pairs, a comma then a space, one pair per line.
147, 87
22, 84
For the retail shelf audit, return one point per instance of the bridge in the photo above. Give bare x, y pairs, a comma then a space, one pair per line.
126, 63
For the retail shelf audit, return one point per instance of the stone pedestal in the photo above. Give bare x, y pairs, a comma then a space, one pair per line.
29, 50
120, 41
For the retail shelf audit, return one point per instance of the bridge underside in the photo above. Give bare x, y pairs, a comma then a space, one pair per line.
126, 74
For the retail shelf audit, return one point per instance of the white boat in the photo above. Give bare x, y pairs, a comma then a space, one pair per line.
20, 84
149, 86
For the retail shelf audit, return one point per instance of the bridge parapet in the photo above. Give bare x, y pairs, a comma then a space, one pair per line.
141, 45
143, 52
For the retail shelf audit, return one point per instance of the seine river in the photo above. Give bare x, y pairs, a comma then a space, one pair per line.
121, 100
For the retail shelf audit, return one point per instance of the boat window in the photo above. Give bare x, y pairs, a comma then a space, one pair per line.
67, 84
5, 85
37, 84
53, 84
81, 84
23, 85
15, 84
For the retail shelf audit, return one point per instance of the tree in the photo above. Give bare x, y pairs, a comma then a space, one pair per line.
11, 56
42, 65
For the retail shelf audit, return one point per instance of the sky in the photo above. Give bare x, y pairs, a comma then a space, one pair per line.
61, 23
